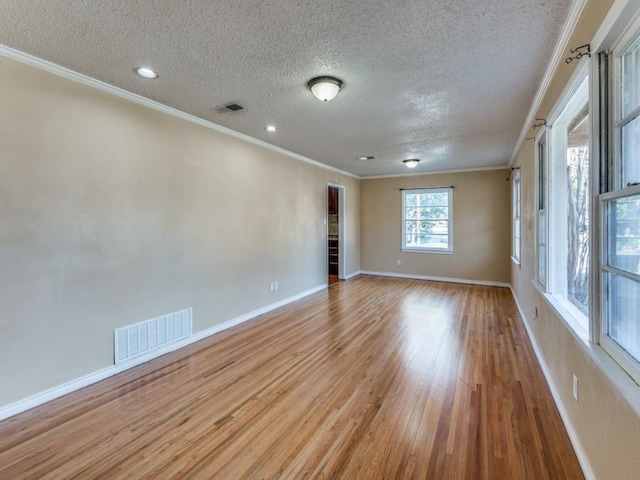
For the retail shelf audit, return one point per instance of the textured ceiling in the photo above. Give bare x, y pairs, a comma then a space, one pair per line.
446, 81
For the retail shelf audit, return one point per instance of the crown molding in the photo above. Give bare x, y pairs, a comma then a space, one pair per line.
140, 100
438, 172
567, 30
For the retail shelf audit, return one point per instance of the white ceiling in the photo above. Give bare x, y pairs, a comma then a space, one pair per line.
446, 81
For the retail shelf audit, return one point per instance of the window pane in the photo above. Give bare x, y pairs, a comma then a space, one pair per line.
542, 264
424, 240
624, 233
516, 238
623, 306
542, 228
542, 178
437, 227
432, 213
427, 216
434, 199
578, 211
631, 152
411, 227
542, 247
630, 76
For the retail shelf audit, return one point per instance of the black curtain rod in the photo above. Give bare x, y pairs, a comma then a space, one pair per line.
426, 188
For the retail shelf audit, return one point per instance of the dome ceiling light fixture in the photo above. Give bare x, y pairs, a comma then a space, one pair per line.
411, 162
325, 88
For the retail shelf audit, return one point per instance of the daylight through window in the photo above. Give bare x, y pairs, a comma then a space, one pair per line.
427, 220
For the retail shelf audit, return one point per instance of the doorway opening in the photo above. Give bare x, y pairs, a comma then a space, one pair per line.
335, 233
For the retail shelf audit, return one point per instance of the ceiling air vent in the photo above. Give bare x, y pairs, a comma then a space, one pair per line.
228, 108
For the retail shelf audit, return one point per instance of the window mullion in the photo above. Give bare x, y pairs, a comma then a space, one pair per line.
621, 273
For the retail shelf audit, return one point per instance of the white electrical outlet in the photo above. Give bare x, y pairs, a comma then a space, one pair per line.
575, 387
275, 286
398, 262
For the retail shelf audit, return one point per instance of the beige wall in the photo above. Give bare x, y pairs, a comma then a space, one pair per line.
113, 213
481, 228
606, 425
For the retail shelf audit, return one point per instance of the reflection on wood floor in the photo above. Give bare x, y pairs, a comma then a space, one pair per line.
374, 378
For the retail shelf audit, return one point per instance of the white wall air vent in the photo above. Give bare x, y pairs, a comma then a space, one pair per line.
135, 340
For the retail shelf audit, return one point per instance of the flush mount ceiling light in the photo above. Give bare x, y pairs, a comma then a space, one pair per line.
363, 158
325, 88
271, 128
411, 162
145, 72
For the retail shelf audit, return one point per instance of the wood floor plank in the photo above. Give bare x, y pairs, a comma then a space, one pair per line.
373, 378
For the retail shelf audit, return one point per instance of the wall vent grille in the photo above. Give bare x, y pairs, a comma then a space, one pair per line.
228, 108
135, 340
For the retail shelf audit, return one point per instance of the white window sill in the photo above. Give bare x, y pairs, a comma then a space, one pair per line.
572, 317
620, 379
427, 250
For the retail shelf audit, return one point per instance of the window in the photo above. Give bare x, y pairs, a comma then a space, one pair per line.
569, 239
541, 209
588, 209
426, 220
620, 215
515, 208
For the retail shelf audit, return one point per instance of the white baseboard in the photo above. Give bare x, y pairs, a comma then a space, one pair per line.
583, 459
43, 397
255, 313
487, 283
94, 377
351, 275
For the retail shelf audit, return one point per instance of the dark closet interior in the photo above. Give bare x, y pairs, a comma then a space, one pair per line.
334, 234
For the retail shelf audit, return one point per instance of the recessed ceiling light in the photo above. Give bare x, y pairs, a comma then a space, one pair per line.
411, 162
146, 73
271, 128
371, 157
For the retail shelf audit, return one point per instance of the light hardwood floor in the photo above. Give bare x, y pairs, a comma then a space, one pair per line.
374, 378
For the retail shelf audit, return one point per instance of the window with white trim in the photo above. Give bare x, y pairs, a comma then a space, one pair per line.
427, 220
541, 209
620, 212
589, 264
515, 209
569, 213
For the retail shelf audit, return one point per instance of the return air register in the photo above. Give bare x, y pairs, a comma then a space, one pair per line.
228, 108
144, 337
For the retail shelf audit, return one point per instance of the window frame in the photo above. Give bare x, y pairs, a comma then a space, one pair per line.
449, 248
613, 189
556, 282
621, 25
516, 216
630, 364
541, 202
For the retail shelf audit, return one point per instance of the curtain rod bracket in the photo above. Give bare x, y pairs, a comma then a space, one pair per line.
579, 52
542, 122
